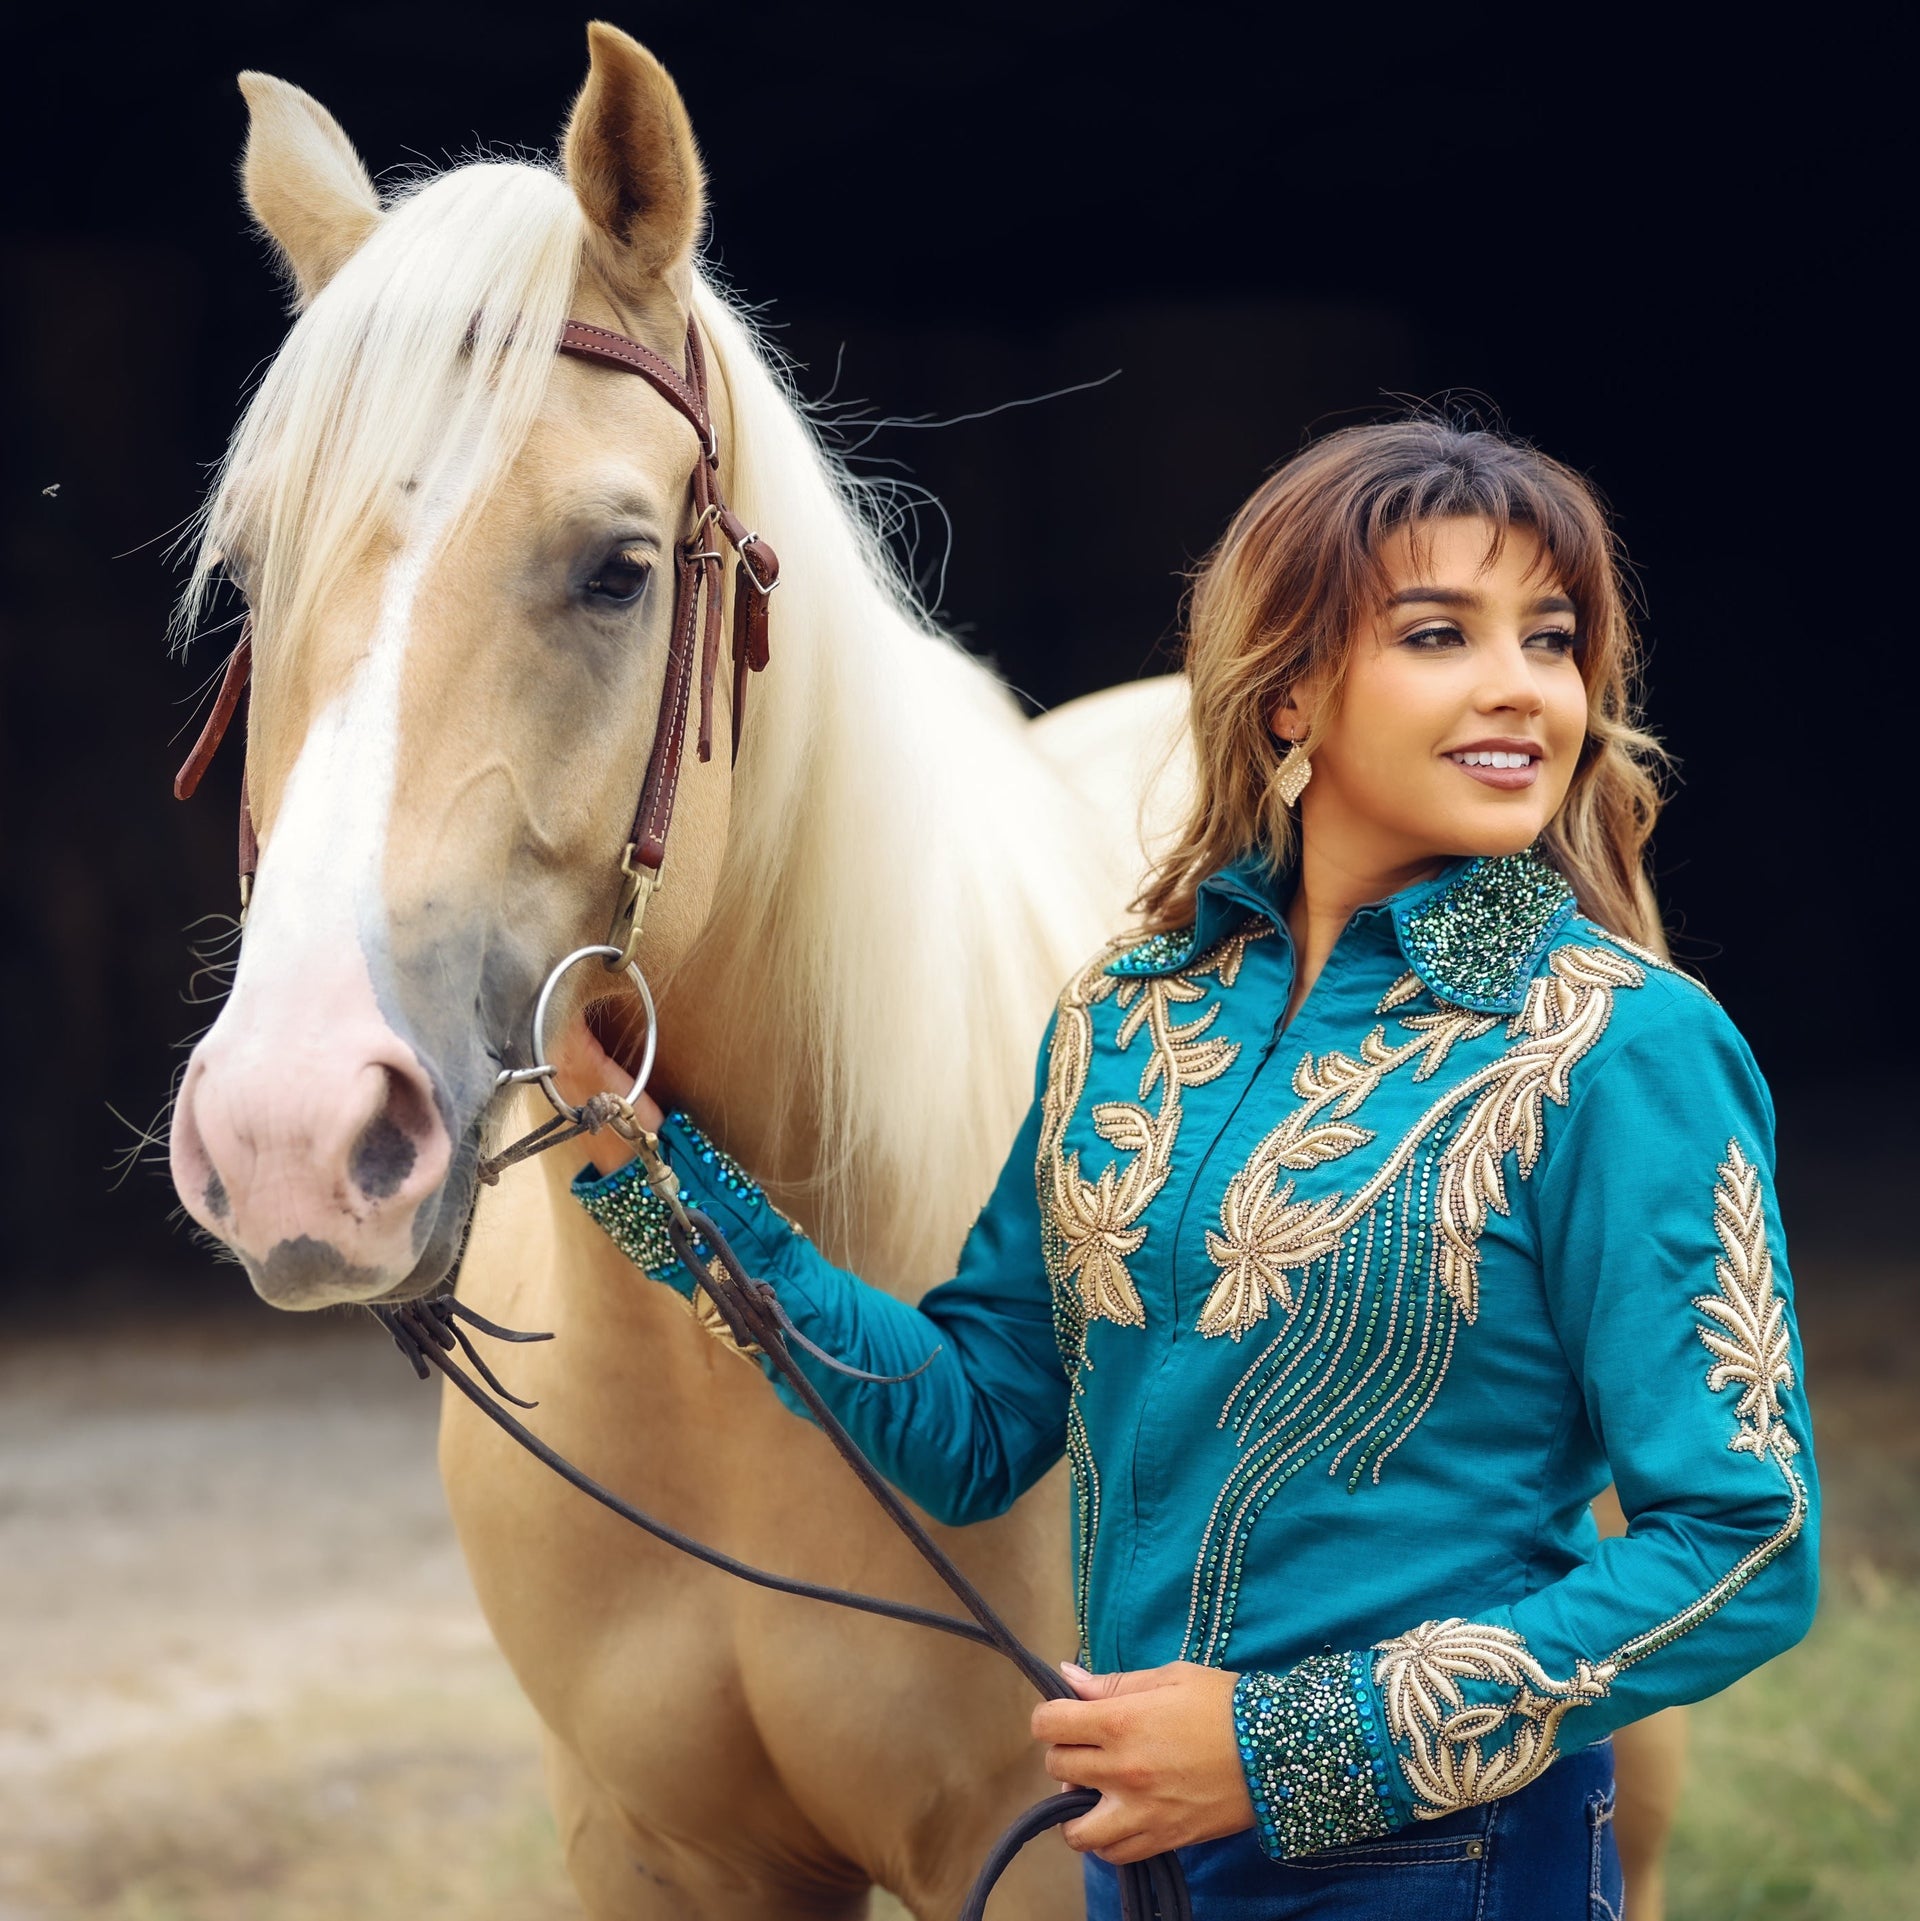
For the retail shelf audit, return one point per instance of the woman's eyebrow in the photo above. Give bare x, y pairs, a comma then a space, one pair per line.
1465, 597
1437, 596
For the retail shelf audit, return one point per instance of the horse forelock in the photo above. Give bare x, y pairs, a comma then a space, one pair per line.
419, 369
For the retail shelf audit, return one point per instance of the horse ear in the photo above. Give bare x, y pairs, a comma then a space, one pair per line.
632, 163
304, 182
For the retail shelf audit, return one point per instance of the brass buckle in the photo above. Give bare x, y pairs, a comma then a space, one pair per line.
638, 885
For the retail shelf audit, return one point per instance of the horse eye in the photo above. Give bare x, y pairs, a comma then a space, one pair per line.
620, 580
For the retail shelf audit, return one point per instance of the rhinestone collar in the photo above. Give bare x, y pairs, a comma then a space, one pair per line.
1475, 934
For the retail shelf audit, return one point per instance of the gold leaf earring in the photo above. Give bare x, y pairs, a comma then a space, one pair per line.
1295, 771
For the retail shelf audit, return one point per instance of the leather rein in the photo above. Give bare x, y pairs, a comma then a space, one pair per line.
428, 1331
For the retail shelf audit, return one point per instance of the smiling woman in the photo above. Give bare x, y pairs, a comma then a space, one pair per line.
1380, 1194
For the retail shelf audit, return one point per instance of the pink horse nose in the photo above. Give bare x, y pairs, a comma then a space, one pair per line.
311, 1155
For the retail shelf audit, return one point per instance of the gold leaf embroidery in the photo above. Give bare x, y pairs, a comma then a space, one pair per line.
1750, 1342
1326, 1143
1406, 988
1565, 1012
707, 1316
1265, 1234
1091, 1227
1752, 1349
1419, 1676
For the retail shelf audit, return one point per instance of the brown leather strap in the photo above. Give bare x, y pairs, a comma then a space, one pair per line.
426, 1332
233, 684
694, 635
695, 632
226, 703
249, 848
648, 837
587, 342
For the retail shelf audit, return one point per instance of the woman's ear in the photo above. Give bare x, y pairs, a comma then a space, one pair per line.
1291, 718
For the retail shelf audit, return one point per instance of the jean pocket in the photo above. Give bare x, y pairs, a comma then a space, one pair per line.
1606, 1891
1397, 1851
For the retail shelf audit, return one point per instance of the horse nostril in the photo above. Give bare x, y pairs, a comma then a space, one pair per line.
389, 1145
383, 1157
216, 1195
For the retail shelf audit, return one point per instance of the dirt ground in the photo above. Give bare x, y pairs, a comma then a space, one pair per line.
242, 1677
241, 1670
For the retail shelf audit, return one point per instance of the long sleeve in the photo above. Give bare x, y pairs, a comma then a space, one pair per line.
985, 1419
1665, 1279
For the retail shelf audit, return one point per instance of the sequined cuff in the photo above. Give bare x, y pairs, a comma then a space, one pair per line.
1316, 1755
636, 1217
710, 1179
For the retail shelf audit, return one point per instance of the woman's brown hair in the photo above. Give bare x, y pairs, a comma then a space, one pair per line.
1280, 599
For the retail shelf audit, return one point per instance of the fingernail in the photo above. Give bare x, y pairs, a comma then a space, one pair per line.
1073, 1672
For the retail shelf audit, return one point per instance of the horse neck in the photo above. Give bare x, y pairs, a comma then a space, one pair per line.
900, 898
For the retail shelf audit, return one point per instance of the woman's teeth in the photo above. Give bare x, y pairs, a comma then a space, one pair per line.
1491, 758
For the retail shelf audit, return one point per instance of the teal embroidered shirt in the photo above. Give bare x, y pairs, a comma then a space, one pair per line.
1342, 1326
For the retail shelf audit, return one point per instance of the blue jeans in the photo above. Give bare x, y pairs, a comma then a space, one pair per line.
1544, 1854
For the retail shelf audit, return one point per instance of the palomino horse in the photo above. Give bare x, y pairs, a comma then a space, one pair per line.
457, 550
450, 539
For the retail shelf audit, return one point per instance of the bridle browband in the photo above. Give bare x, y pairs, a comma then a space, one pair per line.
694, 635
427, 1331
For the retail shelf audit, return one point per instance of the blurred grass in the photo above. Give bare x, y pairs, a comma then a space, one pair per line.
1803, 1797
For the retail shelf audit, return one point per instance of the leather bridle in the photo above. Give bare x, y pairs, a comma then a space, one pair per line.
695, 634
427, 1331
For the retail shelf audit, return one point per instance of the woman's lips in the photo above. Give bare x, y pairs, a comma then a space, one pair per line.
1509, 778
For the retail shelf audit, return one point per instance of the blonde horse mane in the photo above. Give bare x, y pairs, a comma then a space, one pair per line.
906, 879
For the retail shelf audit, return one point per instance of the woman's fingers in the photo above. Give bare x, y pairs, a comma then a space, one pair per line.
1077, 1767
1071, 1723
1106, 1830
583, 1068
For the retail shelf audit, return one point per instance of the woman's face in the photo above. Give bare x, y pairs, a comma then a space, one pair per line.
1463, 712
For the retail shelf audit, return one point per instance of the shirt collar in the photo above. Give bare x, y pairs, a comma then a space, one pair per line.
1475, 933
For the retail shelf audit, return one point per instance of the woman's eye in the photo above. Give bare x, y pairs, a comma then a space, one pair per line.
1555, 640
620, 580
1429, 639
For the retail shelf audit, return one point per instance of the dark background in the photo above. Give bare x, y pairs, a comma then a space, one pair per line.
1662, 251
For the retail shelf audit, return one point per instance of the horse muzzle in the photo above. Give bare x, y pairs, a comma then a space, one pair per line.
310, 1138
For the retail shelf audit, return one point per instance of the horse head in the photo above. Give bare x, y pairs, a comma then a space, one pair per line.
457, 548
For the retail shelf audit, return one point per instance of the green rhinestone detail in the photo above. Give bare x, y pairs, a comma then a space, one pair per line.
636, 1217
1314, 1746
1477, 942
1157, 954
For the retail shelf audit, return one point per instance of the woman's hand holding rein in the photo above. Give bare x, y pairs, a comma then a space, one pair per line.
583, 1068
1158, 1745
